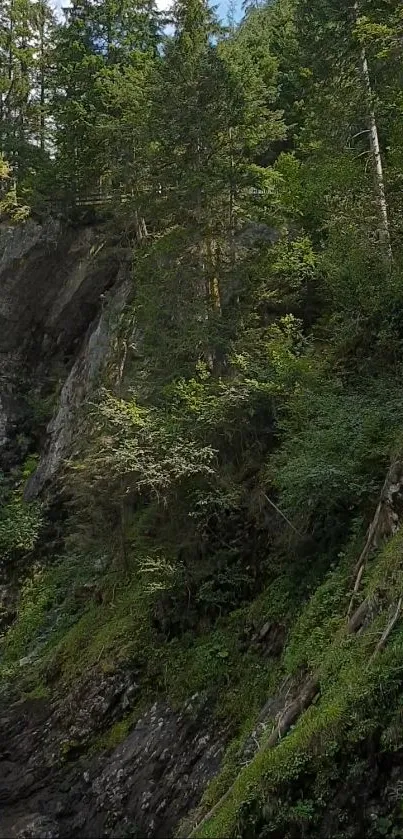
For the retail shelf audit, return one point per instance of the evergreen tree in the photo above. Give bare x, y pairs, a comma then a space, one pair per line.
16, 73
209, 115
25, 32
101, 50
44, 39
342, 104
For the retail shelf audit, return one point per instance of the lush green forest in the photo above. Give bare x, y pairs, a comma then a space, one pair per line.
233, 456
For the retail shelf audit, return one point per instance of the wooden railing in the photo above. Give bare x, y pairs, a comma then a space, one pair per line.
101, 199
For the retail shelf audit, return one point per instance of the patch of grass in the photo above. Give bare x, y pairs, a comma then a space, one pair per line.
39, 691
37, 597
357, 694
49, 605
114, 735
105, 634
319, 621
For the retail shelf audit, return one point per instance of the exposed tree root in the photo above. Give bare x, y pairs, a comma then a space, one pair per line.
292, 712
385, 635
384, 523
357, 619
355, 589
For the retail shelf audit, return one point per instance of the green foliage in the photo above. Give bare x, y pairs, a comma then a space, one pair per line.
10, 208
352, 708
36, 599
134, 454
103, 57
20, 524
25, 59
219, 494
51, 600
319, 622
339, 442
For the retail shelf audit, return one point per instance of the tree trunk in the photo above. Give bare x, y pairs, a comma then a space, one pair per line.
384, 525
384, 229
231, 203
42, 80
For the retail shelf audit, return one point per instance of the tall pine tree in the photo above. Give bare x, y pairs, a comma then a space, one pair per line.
25, 32
209, 114
102, 51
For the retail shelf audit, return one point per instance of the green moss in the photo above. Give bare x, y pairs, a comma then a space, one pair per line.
68, 749
114, 735
318, 622
383, 575
29, 466
36, 599
354, 691
104, 634
39, 691
228, 773
278, 602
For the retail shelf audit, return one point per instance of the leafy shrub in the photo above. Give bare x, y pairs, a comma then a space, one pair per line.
20, 524
132, 443
337, 446
10, 206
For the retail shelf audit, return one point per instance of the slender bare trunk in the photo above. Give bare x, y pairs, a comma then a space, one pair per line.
10, 45
42, 81
231, 202
379, 181
6, 100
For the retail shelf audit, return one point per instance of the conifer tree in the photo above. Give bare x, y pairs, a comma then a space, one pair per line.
209, 116
44, 37
341, 93
98, 50
25, 34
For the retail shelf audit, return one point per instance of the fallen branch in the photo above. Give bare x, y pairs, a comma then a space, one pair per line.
385, 635
277, 509
383, 525
357, 619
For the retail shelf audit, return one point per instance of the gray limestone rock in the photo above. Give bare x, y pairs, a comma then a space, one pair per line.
60, 289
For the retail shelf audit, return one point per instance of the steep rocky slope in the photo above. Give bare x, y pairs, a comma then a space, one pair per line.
143, 787
53, 279
62, 291
126, 714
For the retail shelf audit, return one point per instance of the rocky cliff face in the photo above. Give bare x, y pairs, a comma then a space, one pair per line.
142, 788
59, 288
62, 291
112, 721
